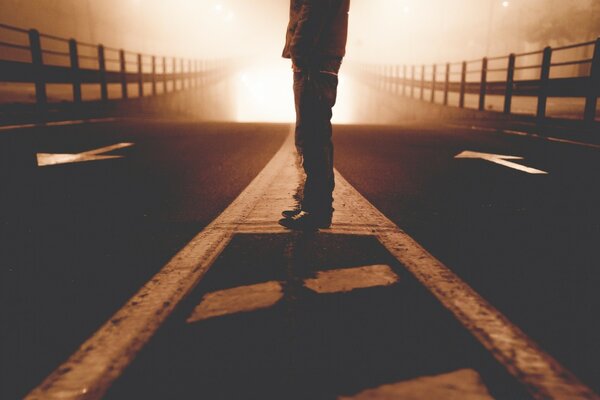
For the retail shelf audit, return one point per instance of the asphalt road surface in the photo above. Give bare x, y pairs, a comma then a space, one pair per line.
79, 239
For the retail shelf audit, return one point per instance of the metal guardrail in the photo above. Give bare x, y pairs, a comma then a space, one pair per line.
402, 79
182, 73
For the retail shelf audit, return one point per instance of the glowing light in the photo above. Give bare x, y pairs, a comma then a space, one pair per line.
263, 93
218, 8
505, 4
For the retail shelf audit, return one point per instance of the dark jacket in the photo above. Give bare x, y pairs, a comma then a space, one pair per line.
318, 30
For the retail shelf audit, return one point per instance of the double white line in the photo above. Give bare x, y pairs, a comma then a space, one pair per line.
89, 372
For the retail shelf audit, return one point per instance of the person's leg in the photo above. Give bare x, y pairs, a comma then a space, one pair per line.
317, 146
315, 95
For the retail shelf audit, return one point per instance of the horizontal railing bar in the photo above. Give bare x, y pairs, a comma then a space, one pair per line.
56, 53
573, 46
14, 45
529, 53
497, 58
561, 64
84, 44
528, 67
497, 69
88, 57
14, 28
52, 37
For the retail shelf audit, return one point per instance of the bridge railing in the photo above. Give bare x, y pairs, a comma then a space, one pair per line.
535, 74
28, 56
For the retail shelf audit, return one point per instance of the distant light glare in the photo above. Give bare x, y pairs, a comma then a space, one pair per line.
505, 4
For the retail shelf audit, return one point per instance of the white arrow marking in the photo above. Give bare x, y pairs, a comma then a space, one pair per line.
500, 159
45, 159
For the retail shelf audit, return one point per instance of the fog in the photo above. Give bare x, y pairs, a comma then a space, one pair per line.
404, 31
381, 31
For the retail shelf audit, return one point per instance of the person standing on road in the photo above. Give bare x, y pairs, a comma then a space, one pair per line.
316, 43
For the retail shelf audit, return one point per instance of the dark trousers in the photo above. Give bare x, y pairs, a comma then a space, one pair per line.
315, 92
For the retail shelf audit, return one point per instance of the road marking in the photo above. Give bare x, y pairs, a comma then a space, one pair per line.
237, 300
264, 295
101, 359
56, 123
348, 279
528, 134
502, 160
45, 159
464, 384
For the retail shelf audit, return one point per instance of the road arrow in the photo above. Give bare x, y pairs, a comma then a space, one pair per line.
45, 159
502, 160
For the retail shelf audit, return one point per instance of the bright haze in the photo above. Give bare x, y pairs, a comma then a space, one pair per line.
381, 31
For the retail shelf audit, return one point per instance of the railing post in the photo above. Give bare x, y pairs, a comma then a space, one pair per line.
433, 80
140, 76
544, 76
174, 74
189, 74
510, 79
123, 74
182, 72
38, 67
76, 77
422, 81
483, 84
446, 84
404, 80
164, 74
592, 97
463, 84
412, 82
102, 72
154, 91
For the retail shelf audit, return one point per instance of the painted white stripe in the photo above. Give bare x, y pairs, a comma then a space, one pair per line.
57, 123
348, 279
102, 358
465, 384
527, 134
46, 159
538, 371
237, 300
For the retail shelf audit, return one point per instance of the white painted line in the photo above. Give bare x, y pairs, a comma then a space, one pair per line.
348, 279
57, 123
63, 123
501, 160
101, 359
237, 300
46, 159
12, 127
464, 384
543, 376
527, 134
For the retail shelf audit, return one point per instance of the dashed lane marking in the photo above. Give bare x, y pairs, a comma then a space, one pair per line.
464, 384
56, 123
243, 299
237, 300
527, 134
46, 159
348, 279
88, 373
